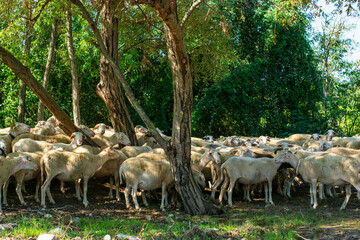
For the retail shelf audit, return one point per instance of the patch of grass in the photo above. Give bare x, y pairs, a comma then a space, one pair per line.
249, 225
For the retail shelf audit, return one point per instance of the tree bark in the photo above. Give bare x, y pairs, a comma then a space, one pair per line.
50, 59
26, 76
28, 32
109, 87
74, 72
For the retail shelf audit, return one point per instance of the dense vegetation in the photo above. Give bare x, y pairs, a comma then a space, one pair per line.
257, 69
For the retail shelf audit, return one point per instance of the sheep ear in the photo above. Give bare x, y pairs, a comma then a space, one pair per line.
335, 133
319, 136
326, 133
107, 127
291, 145
72, 136
96, 127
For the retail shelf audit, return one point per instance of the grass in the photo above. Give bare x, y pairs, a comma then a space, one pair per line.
173, 225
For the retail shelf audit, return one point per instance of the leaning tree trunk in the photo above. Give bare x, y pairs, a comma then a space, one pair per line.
50, 59
27, 77
74, 73
109, 87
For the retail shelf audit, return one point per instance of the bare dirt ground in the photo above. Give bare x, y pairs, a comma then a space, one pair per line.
345, 225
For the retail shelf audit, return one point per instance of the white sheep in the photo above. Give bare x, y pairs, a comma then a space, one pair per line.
69, 166
87, 131
9, 166
3, 148
101, 128
330, 134
116, 138
327, 169
133, 151
30, 145
46, 130
145, 174
299, 137
17, 129
58, 138
25, 175
248, 171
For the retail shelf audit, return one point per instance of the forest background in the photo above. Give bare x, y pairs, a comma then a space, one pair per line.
258, 66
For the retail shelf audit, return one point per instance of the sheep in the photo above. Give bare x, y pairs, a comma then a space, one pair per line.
46, 130
58, 138
199, 142
316, 145
69, 166
40, 124
353, 144
145, 174
133, 151
199, 161
248, 171
299, 137
17, 129
25, 175
52, 121
145, 139
116, 138
327, 169
263, 140
330, 134
101, 128
87, 131
9, 166
344, 141
233, 142
315, 136
29, 145
111, 169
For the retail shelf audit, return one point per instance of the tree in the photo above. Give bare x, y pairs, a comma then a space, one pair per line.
74, 71
50, 59
178, 149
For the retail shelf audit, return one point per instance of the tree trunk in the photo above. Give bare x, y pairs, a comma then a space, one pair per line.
28, 32
26, 76
109, 87
50, 59
74, 73
179, 149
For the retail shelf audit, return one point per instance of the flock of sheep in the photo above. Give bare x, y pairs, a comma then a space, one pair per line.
45, 152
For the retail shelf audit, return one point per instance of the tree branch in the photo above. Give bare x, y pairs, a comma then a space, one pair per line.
190, 11
147, 20
137, 43
38, 15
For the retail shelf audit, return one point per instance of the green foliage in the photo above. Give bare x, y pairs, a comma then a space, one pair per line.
274, 88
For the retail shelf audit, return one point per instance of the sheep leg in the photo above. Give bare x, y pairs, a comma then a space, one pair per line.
333, 191
117, 185
77, 189
266, 194
270, 191
126, 195
313, 184
163, 196
328, 191
143, 196
321, 191
247, 193
44, 188
38, 185
134, 197
48, 192
19, 193
62, 187
85, 186
358, 195
347, 197
214, 188
111, 187
224, 186
230, 191
279, 189
5, 187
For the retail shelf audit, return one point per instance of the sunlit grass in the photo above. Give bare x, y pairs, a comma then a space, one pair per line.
171, 225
